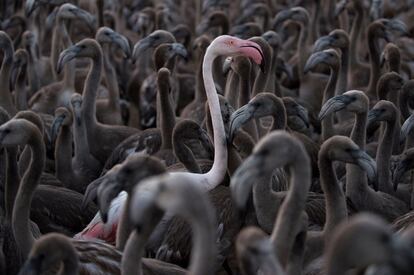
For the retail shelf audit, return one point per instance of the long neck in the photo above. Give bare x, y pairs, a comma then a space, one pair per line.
63, 154
314, 23
29, 182
124, 227
132, 257
70, 67
342, 84
167, 114
33, 63
111, 80
302, 49
80, 137
384, 153
5, 95
266, 201
56, 47
335, 203
375, 65
131, 263
261, 80
403, 102
327, 123
244, 85
218, 171
200, 92
244, 97
273, 83
203, 247
90, 91
20, 95
355, 34
356, 180
232, 88
12, 182
289, 218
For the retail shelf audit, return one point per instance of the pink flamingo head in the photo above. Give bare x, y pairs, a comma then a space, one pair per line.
231, 46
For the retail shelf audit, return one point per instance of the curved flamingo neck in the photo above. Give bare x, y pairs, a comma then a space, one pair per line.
111, 80
70, 67
289, 218
219, 168
124, 227
384, 153
355, 34
20, 95
63, 154
232, 88
200, 94
374, 56
203, 246
80, 138
12, 180
131, 263
29, 182
167, 115
342, 84
336, 208
327, 123
356, 180
302, 49
90, 91
5, 95
57, 32
32, 65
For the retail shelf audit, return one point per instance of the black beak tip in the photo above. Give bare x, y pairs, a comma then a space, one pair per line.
104, 217
262, 66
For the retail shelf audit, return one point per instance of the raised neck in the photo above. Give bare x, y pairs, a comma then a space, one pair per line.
219, 168
355, 34
356, 180
290, 213
111, 80
384, 152
63, 155
166, 113
327, 122
5, 95
90, 91
374, 56
335, 205
29, 182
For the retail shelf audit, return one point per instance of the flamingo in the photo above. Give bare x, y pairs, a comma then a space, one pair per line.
224, 45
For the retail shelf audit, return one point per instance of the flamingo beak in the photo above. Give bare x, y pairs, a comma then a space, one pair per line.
239, 118
107, 191
122, 43
333, 105
66, 56
253, 50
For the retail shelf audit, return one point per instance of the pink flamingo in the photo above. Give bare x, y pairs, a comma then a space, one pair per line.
224, 45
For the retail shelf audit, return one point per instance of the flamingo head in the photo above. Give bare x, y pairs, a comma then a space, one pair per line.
232, 46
